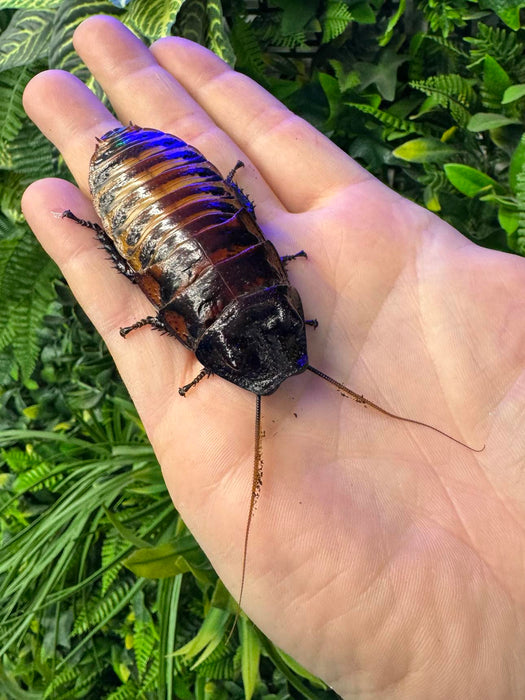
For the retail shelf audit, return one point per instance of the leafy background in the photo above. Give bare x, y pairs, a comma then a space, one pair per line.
103, 591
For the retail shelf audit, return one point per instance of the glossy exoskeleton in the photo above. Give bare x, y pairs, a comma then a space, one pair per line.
189, 239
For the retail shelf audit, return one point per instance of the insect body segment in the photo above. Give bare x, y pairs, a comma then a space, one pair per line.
197, 253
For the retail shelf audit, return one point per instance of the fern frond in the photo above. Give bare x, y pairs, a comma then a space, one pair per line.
451, 47
27, 315
65, 677
150, 680
336, 19
99, 608
10, 196
404, 126
452, 92
113, 547
12, 84
19, 461
519, 237
36, 478
248, 50
221, 664
32, 155
497, 42
144, 642
128, 691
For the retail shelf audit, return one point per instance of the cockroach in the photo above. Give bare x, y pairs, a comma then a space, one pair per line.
189, 239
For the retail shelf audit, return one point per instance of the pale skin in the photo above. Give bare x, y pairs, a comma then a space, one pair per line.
384, 557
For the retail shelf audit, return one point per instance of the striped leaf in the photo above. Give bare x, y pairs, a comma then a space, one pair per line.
26, 38
29, 4
69, 15
153, 19
218, 39
192, 21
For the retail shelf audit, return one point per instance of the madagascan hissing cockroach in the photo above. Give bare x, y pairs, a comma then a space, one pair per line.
188, 237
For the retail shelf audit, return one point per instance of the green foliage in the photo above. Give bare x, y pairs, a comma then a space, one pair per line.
153, 20
103, 591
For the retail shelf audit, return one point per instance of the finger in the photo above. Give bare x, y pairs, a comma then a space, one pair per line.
295, 159
70, 116
143, 92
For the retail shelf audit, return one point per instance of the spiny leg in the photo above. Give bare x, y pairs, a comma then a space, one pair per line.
120, 263
148, 321
256, 491
229, 177
361, 399
183, 390
243, 198
287, 258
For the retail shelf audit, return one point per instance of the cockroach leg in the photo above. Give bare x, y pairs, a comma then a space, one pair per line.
229, 178
68, 214
121, 264
148, 321
287, 258
183, 390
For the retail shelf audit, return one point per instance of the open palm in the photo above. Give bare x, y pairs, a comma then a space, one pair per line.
384, 557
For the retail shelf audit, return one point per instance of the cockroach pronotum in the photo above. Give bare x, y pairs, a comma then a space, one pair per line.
189, 239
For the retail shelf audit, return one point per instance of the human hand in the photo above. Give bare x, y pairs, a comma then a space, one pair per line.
384, 557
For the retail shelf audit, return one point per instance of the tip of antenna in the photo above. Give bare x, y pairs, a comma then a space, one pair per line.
232, 629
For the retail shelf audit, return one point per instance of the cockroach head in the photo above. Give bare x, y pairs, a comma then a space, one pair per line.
258, 341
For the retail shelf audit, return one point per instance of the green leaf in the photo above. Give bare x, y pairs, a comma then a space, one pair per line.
153, 18
182, 555
402, 126
452, 92
208, 637
32, 156
508, 219
296, 14
300, 670
26, 38
335, 20
12, 84
218, 39
363, 13
192, 21
29, 4
250, 656
483, 121
507, 10
383, 41
517, 163
68, 16
495, 80
424, 150
467, 180
161, 561
383, 74
513, 93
